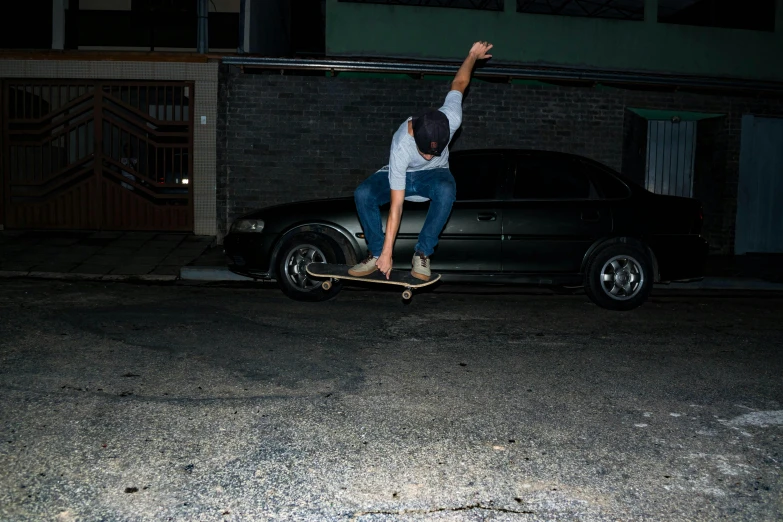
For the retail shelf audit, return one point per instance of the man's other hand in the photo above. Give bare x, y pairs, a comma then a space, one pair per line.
384, 264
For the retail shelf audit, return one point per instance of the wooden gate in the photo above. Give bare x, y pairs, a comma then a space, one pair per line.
98, 155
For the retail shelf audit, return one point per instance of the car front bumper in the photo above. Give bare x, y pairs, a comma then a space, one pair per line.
249, 254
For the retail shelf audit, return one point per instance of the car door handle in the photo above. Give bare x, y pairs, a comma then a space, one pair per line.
590, 215
488, 216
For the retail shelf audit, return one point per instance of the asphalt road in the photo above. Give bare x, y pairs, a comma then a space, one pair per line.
125, 402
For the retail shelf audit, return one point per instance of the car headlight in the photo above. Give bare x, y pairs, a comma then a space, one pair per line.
248, 225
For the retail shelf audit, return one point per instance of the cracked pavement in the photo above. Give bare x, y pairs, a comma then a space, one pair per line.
185, 402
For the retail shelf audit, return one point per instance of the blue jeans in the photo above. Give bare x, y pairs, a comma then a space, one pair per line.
436, 184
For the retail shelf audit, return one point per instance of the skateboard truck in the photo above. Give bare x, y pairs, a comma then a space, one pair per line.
407, 294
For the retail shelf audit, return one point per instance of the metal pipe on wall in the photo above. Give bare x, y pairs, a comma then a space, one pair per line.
203, 26
511, 72
58, 24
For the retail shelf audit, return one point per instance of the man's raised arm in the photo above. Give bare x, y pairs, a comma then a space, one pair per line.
477, 52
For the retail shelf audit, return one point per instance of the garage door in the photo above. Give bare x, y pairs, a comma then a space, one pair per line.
760, 190
98, 155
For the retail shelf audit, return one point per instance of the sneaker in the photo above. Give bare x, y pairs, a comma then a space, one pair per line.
364, 268
421, 267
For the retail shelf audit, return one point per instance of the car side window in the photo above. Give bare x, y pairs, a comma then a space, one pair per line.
477, 175
551, 178
608, 184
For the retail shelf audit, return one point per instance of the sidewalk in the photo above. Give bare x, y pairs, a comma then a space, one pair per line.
111, 256
154, 256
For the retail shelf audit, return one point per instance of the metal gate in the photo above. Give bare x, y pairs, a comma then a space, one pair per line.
98, 155
759, 222
670, 157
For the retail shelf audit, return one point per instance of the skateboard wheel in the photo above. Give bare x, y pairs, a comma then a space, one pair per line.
326, 285
407, 294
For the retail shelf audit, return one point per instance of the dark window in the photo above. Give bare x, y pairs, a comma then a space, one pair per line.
308, 25
484, 5
26, 25
608, 184
477, 175
149, 24
223, 30
617, 9
551, 178
756, 15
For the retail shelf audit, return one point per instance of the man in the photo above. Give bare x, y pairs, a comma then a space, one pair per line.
418, 170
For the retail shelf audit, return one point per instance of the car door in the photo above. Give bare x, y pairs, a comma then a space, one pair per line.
470, 240
553, 216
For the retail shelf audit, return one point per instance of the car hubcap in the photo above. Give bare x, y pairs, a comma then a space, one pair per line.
296, 266
622, 277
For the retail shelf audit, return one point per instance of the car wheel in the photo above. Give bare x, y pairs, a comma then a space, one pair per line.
619, 277
292, 260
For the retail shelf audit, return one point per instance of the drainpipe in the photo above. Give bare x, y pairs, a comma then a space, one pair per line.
244, 26
779, 19
203, 26
651, 11
58, 24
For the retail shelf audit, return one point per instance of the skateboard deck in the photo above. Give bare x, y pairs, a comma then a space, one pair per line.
396, 277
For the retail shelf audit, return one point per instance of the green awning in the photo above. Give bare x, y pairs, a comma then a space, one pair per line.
657, 114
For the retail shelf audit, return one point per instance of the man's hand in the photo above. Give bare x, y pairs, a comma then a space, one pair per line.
479, 50
384, 264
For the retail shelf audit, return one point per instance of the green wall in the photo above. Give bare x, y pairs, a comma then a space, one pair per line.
372, 30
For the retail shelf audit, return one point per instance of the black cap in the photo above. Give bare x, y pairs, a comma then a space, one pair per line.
431, 132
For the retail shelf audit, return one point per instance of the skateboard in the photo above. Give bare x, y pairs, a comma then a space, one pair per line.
334, 273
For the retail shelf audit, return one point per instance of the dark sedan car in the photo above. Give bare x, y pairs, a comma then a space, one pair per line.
521, 217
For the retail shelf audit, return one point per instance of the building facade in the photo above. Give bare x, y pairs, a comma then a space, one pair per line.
683, 96
118, 114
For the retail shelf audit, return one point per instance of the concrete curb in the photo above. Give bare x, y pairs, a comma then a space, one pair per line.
68, 276
221, 273
724, 283
210, 273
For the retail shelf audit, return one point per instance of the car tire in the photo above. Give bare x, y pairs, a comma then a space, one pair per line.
293, 257
619, 277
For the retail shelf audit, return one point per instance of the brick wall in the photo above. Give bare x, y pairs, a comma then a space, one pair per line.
292, 138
